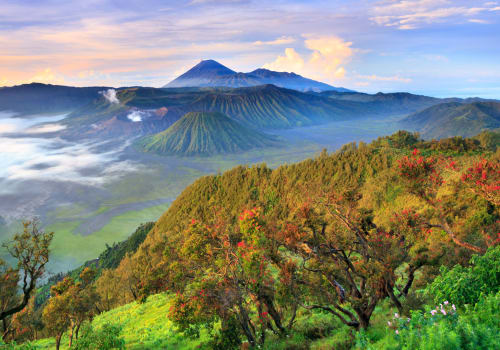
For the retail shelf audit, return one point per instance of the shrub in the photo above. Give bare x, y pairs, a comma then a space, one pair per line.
464, 285
443, 327
104, 338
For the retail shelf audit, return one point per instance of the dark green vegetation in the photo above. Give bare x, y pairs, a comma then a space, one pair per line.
455, 119
213, 74
205, 133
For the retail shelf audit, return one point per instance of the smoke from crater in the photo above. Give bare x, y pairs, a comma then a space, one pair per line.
110, 95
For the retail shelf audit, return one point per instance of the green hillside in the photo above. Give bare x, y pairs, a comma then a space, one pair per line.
387, 245
455, 119
143, 327
205, 133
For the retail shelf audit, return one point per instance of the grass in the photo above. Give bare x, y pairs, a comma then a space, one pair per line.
144, 327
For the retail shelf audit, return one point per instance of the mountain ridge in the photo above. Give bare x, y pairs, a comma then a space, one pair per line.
455, 119
212, 73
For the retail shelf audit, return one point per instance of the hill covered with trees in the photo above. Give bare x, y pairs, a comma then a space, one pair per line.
455, 119
388, 245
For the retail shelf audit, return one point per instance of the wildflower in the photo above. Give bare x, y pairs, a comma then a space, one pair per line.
396, 315
446, 302
397, 332
408, 319
443, 311
389, 323
453, 307
433, 312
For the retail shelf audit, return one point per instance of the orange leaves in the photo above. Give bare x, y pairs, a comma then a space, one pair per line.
249, 214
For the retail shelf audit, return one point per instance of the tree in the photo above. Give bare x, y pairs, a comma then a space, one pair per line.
348, 264
424, 177
55, 314
71, 303
30, 249
225, 272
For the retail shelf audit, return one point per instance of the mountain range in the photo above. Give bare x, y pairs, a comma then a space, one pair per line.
131, 112
210, 73
39, 98
455, 119
204, 134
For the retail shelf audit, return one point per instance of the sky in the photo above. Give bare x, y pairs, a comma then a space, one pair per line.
433, 47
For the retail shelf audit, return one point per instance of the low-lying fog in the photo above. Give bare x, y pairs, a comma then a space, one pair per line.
31, 151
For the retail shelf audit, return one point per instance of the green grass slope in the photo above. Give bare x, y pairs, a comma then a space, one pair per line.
455, 119
145, 326
203, 133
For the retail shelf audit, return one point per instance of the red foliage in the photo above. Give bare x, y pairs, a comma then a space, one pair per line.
484, 179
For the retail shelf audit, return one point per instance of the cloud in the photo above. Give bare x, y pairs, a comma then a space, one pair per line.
44, 129
396, 78
49, 159
135, 116
324, 62
412, 14
110, 95
280, 41
477, 20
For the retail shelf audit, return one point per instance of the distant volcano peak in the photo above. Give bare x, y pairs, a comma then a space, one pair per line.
208, 67
210, 73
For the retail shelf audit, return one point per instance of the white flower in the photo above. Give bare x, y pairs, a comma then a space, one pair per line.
453, 307
397, 332
396, 315
389, 323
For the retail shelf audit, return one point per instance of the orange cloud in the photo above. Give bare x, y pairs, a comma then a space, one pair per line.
325, 62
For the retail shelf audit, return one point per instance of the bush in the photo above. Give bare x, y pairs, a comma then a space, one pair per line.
464, 285
477, 327
227, 338
14, 346
105, 338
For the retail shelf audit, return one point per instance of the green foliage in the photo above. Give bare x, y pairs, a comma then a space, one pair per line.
111, 257
227, 338
464, 285
489, 139
15, 346
106, 337
477, 327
